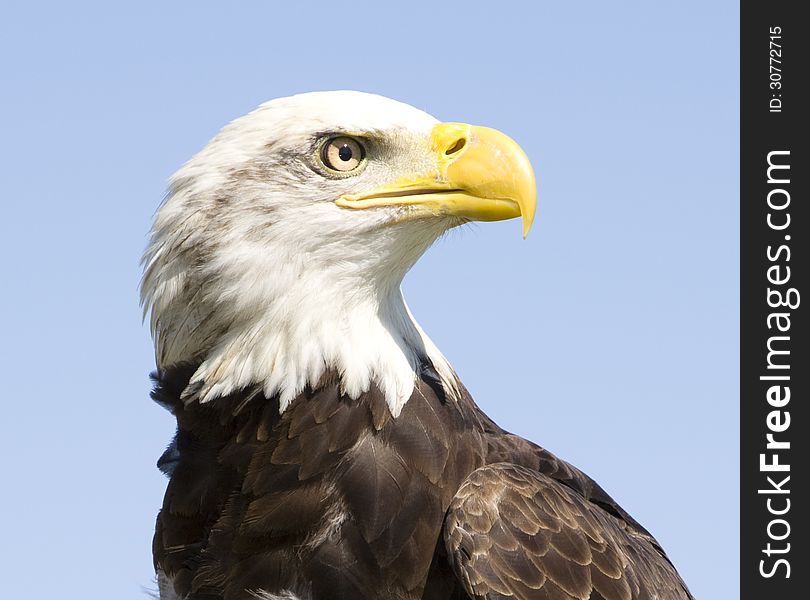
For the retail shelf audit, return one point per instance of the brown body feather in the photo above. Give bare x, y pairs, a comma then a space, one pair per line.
336, 499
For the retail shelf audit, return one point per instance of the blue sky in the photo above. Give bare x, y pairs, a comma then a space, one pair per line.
610, 336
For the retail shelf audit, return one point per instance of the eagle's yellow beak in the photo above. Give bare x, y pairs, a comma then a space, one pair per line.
480, 174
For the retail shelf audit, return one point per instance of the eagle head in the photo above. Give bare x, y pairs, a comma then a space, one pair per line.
277, 256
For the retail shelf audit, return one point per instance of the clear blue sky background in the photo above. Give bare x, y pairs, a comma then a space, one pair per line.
610, 336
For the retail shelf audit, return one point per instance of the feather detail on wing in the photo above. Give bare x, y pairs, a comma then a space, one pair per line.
512, 532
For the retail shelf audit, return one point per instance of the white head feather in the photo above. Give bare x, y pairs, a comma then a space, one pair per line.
256, 275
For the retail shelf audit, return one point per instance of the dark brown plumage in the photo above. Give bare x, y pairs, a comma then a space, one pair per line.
336, 499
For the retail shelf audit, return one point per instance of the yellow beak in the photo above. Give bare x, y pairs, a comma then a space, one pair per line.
480, 174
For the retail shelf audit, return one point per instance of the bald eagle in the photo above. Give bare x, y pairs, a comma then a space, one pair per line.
325, 448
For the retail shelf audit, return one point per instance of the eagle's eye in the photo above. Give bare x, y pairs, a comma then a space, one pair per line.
342, 154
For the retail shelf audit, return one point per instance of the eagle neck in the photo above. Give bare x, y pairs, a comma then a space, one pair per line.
329, 320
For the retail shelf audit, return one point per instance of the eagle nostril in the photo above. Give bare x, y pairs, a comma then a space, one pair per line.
455, 146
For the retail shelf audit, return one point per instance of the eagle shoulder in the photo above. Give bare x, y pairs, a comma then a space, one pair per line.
515, 532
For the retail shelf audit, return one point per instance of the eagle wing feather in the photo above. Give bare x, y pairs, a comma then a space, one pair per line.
513, 532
